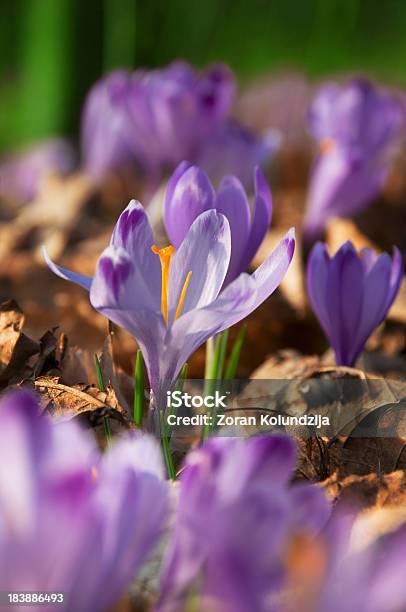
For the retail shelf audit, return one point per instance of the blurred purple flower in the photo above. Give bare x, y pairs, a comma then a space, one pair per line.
351, 294
71, 520
233, 149
342, 578
106, 146
237, 514
190, 193
155, 118
173, 303
355, 124
22, 174
174, 110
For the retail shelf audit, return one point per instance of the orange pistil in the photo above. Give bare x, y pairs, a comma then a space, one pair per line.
165, 256
327, 146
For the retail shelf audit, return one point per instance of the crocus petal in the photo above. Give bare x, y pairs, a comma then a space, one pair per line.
274, 456
125, 476
396, 277
28, 431
173, 181
270, 273
311, 507
232, 202
206, 253
105, 124
192, 195
320, 114
79, 279
375, 293
317, 275
234, 303
387, 590
344, 300
368, 258
261, 220
340, 187
133, 233
120, 293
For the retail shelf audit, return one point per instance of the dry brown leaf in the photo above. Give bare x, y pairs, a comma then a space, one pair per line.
76, 365
67, 402
339, 231
54, 212
15, 347
110, 375
368, 491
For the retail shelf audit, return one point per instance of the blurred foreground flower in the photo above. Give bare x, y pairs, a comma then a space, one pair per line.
355, 125
326, 574
190, 193
172, 302
155, 119
237, 516
22, 175
351, 294
73, 521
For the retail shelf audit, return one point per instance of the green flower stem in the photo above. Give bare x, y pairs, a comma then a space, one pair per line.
102, 387
214, 374
235, 354
166, 448
139, 382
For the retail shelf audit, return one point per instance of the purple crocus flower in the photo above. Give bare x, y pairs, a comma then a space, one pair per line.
21, 175
237, 514
172, 302
355, 125
155, 118
105, 144
190, 193
175, 110
351, 294
71, 520
328, 574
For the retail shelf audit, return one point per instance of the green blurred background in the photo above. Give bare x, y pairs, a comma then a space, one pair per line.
51, 51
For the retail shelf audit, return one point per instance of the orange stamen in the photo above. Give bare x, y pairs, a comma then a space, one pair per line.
182, 295
165, 256
327, 146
